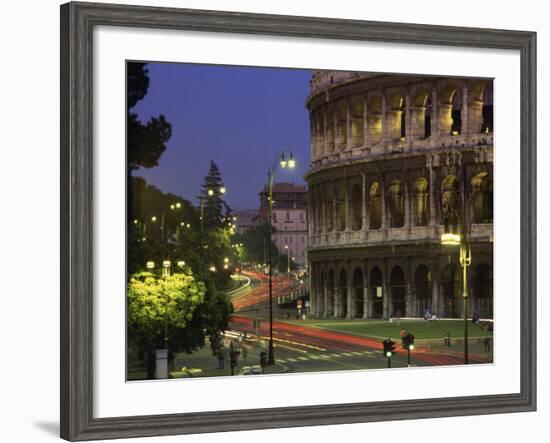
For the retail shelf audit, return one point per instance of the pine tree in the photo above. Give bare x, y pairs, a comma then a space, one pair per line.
215, 208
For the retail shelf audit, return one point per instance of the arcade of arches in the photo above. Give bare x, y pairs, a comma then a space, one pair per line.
393, 288
396, 162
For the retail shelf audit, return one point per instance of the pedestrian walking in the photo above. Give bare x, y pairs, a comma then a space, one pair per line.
221, 357
262, 359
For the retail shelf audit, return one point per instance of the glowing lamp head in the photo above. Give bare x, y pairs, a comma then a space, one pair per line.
388, 354
150, 265
154, 218
166, 264
291, 162
178, 205
210, 192
411, 347
222, 190
181, 263
450, 239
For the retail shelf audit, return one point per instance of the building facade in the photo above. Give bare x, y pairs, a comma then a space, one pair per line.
289, 218
246, 219
395, 162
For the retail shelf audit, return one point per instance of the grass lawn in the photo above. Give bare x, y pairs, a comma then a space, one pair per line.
421, 329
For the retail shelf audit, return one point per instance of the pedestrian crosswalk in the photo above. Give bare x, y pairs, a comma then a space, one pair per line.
323, 356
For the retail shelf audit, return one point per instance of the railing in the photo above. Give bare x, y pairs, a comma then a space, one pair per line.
402, 147
480, 231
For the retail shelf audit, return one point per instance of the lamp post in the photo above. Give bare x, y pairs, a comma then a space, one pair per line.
165, 274
288, 262
278, 160
465, 259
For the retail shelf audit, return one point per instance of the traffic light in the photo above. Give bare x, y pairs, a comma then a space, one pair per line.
389, 347
408, 342
411, 342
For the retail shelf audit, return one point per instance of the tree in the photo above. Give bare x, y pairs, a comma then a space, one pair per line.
155, 304
145, 142
215, 207
158, 231
255, 244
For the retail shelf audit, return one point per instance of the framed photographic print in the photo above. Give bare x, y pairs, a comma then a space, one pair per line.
273, 221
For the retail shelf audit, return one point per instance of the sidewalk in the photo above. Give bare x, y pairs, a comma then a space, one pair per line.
208, 363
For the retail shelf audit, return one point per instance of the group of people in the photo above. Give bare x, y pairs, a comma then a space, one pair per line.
241, 346
429, 315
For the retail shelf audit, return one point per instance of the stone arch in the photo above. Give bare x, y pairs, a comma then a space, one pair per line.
374, 118
421, 112
341, 205
422, 289
396, 118
330, 118
451, 287
343, 293
375, 206
320, 302
341, 136
450, 112
317, 134
356, 208
329, 208
483, 290
450, 205
481, 106
358, 292
396, 204
487, 109
330, 293
376, 284
357, 125
482, 198
420, 202
398, 292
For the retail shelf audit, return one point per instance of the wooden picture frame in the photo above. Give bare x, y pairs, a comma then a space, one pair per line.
77, 23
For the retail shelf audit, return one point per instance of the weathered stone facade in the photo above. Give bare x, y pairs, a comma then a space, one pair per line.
396, 161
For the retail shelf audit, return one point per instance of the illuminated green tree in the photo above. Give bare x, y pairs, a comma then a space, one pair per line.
158, 303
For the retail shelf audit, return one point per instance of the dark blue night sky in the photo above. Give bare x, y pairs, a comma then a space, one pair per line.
237, 116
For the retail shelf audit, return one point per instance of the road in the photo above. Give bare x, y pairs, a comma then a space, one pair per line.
303, 348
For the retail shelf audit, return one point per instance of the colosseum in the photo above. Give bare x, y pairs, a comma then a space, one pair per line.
396, 161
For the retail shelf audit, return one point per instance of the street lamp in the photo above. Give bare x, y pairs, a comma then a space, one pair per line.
465, 259
166, 273
279, 159
288, 262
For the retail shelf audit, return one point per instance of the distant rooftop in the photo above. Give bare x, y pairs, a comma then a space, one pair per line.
285, 187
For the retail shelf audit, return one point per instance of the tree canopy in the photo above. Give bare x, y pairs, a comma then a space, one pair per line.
146, 142
212, 191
